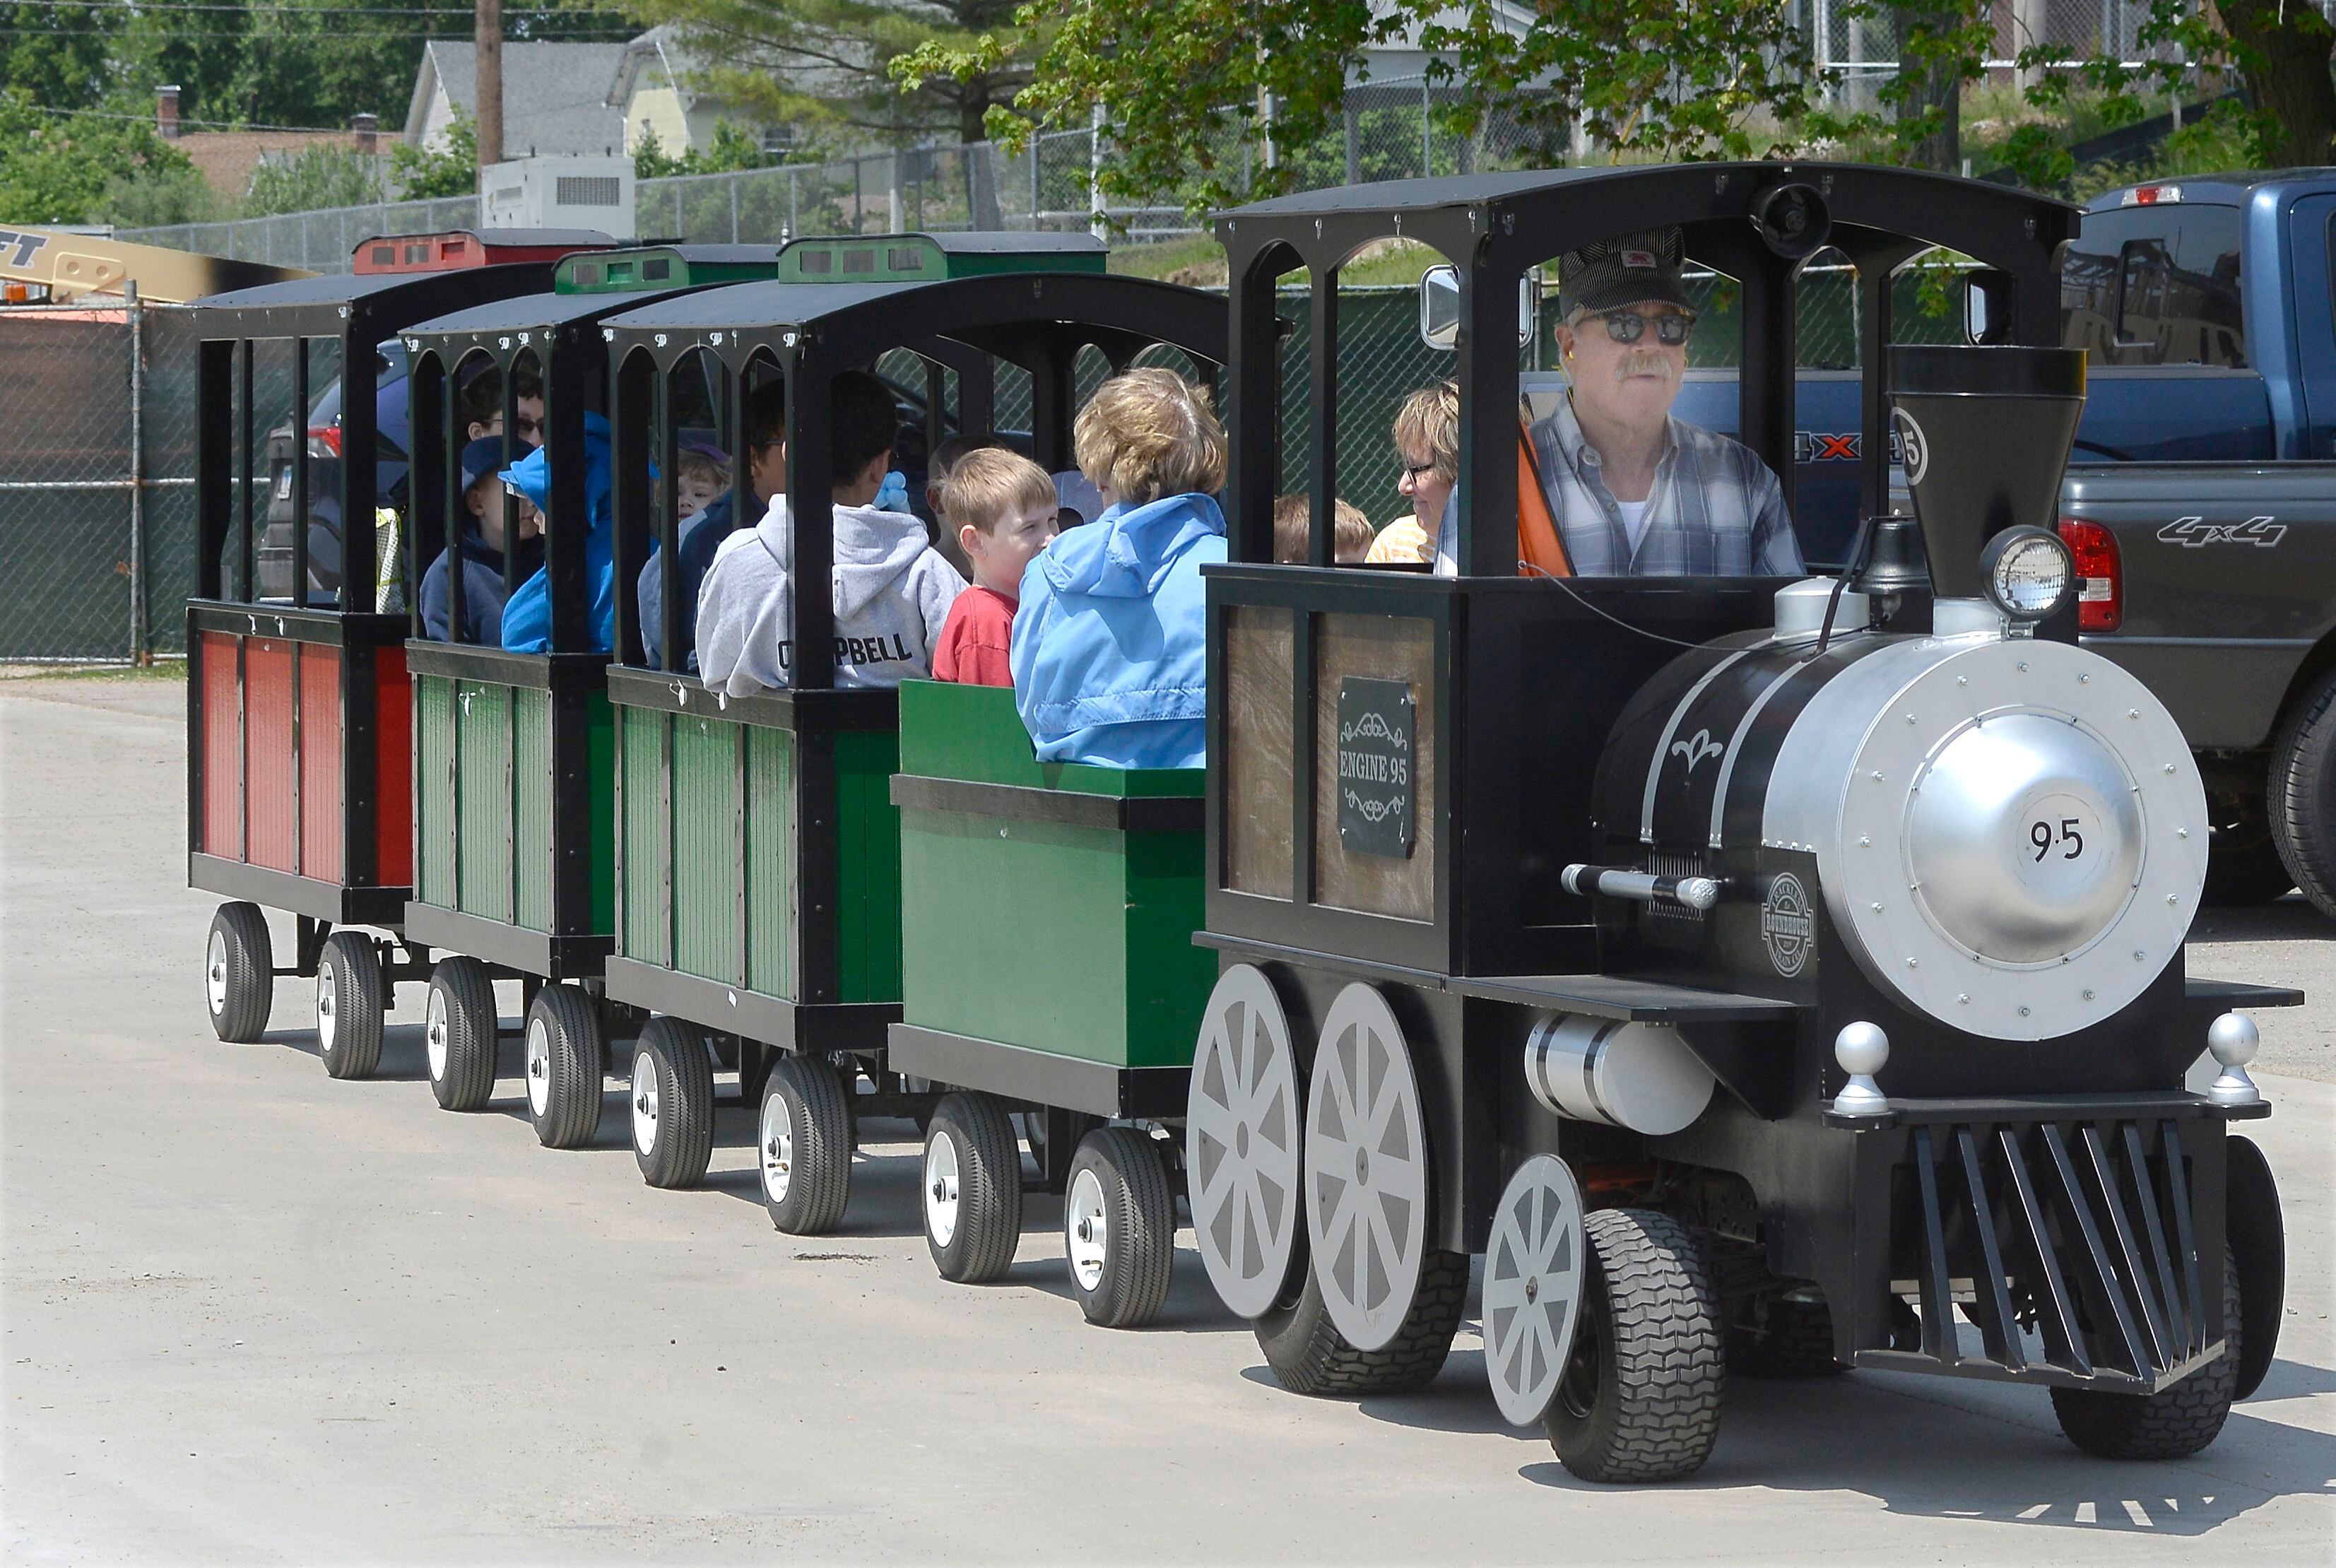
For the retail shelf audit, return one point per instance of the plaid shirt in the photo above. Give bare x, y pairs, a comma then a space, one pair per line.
1715, 509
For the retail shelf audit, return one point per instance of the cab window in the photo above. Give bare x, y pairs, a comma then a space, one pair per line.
2155, 286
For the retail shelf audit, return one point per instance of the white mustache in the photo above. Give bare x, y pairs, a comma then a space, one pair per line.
1642, 363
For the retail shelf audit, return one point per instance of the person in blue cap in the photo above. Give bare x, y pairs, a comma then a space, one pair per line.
527, 619
482, 549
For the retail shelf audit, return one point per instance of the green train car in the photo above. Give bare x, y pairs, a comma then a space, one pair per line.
1084, 1005
759, 906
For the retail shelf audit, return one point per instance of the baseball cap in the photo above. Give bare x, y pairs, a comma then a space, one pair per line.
485, 457
1625, 271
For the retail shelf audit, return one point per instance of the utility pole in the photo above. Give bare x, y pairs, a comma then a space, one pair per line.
489, 85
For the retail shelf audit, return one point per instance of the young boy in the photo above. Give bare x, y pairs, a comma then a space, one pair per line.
482, 552
1004, 507
1350, 539
891, 591
699, 478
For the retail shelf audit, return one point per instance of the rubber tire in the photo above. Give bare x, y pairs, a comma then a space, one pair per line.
251, 956
989, 1189
355, 965
1309, 1355
819, 1186
2172, 1423
1140, 1234
1783, 1338
579, 1068
2302, 794
472, 1025
678, 1056
2242, 863
1651, 1322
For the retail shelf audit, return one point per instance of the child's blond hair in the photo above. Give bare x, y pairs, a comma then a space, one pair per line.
1150, 433
1350, 539
989, 483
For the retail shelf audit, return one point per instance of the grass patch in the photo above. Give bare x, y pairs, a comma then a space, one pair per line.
119, 673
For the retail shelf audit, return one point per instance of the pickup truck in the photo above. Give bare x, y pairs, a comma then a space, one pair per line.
2201, 498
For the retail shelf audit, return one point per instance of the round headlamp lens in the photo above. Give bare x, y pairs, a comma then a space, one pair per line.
2028, 573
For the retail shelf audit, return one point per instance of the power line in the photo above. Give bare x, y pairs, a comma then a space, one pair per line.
136, 10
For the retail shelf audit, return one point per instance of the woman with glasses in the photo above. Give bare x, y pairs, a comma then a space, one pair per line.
1633, 490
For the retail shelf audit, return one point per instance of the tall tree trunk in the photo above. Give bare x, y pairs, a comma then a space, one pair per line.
2289, 81
1935, 84
490, 84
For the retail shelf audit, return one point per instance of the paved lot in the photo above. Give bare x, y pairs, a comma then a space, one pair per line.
252, 1314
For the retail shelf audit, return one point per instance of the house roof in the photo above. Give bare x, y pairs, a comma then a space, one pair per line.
225, 158
555, 95
661, 52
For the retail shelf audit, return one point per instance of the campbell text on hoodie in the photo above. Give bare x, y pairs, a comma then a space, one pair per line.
1110, 646
892, 593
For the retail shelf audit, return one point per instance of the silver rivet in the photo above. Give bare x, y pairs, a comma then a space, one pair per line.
1877, 776
2136, 955
2088, 994
1877, 908
2083, 677
1964, 997
1910, 718
2133, 713
2181, 832
2172, 899
2023, 1012
1864, 843
1913, 963
2023, 666
2169, 767
1962, 680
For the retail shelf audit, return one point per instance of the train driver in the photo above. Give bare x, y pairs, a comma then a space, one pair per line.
1632, 490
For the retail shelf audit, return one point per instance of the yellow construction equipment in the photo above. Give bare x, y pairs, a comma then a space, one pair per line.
51, 264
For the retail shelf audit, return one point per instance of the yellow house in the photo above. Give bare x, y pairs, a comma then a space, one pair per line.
652, 89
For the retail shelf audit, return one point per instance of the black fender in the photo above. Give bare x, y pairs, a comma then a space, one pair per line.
2259, 1251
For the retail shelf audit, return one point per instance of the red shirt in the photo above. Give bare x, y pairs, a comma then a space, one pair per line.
972, 649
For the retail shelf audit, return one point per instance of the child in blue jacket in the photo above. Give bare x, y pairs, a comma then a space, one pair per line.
1110, 650
526, 619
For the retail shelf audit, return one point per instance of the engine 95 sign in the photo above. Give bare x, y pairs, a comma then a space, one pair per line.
1375, 767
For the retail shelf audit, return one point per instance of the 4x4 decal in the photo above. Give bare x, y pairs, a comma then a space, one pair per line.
2197, 532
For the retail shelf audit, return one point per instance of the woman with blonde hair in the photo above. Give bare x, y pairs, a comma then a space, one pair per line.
1428, 444
1109, 649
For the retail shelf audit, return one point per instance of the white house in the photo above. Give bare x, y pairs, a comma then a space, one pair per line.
555, 97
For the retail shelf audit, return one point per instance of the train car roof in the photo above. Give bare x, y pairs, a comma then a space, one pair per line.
755, 305
396, 253
521, 313
931, 257
376, 304
633, 268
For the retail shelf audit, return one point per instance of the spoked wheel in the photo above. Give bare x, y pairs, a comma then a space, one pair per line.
1365, 1169
1639, 1397
972, 1189
672, 1104
239, 973
458, 1033
349, 1006
805, 1145
1534, 1269
565, 1066
2174, 1423
1242, 1138
1119, 1228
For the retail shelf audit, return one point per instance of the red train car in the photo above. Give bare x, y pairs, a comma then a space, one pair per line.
456, 248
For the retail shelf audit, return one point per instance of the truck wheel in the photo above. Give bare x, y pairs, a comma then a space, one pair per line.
2302, 795
1782, 1337
672, 1104
1119, 1228
458, 1033
239, 973
1309, 1357
806, 1146
1638, 1399
565, 1067
2174, 1423
972, 1190
349, 1006
2242, 863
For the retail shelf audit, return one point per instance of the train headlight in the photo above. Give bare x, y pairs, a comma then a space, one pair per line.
2028, 572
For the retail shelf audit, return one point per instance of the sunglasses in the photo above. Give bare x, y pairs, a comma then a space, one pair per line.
1671, 327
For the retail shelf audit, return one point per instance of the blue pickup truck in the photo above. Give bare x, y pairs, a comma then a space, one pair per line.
2201, 499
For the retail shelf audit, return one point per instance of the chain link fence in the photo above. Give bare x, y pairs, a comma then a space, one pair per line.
97, 500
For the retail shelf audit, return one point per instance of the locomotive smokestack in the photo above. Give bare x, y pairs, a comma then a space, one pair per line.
1985, 433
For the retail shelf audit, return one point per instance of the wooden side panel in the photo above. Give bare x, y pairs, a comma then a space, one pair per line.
222, 783
434, 792
268, 760
644, 829
532, 792
482, 800
394, 770
771, 907
1380, 647
321, 762
1260, 856
705, 848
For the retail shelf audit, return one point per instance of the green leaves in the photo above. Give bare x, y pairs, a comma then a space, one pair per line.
57, 169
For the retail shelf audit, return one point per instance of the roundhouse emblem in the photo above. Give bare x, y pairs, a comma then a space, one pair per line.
1786, 925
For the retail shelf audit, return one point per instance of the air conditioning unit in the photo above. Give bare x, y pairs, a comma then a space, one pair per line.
558, 192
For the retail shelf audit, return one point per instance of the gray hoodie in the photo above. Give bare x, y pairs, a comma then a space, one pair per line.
892, 593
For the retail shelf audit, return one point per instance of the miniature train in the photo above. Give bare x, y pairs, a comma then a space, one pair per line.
1756, 974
